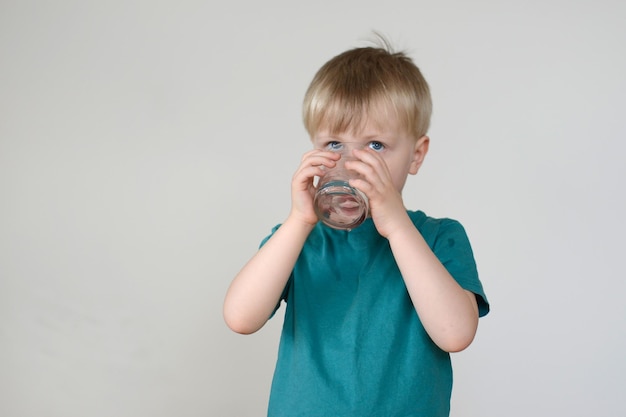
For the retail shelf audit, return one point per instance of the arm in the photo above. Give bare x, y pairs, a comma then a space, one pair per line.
448, 312
256, 289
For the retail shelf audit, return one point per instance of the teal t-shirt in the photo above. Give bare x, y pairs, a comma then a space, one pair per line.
352, 344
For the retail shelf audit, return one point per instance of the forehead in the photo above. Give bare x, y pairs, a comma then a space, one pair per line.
366, 119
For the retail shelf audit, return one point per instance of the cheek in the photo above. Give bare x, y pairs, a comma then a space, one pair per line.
398, 177
398, 168
399, 182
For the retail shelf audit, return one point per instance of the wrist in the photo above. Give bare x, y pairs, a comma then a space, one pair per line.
401, 228
299, 223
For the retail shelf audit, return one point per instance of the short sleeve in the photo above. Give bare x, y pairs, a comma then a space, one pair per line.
448, 240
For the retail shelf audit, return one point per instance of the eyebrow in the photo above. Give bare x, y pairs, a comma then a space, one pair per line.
368, 136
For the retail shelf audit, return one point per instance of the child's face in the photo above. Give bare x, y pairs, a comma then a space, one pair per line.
402, 154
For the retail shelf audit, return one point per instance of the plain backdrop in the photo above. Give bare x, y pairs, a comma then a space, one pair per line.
146, 148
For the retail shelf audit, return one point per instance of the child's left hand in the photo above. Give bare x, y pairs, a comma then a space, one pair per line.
386, 205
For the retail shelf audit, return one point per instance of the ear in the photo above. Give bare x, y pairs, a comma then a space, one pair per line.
419, 153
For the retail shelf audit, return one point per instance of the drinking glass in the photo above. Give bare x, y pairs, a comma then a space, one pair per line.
336, 202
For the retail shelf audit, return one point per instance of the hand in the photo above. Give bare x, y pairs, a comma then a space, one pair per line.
302, 188
385, 200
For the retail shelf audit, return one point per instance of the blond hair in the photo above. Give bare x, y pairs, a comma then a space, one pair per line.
363, 82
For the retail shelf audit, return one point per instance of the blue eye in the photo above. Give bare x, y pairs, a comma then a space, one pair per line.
377, 146
334, 146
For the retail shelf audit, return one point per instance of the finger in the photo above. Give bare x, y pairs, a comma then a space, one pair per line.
308, 172
369, 157
361, 185
319, 157
370, 166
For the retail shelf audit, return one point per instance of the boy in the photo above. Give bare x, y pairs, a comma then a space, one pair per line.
372, 313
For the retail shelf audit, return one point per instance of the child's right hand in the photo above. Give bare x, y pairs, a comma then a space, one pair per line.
302, 188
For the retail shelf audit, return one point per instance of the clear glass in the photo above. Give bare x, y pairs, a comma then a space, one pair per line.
336, 202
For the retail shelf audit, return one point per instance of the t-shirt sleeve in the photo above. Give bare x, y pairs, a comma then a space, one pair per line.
451, 245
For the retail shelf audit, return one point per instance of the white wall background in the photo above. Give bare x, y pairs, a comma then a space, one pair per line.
146, 147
